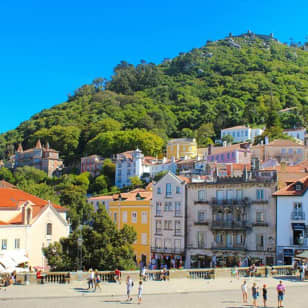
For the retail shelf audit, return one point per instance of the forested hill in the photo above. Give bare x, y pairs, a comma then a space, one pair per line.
227, 82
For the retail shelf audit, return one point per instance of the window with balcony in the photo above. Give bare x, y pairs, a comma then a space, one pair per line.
239, 194
239, 239
167, 243
201, 195
260, 194
298, 213
167, 224
178, 211
168, 189
178, 190
158, 208
158, 227
177, 243
260, 241
219, 238
158, 190
220, 196
177, 227
158, 243
168, 206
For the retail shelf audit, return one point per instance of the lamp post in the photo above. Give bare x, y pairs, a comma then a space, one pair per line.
79, 242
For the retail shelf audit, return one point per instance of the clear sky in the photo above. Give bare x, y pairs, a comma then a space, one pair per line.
50, 48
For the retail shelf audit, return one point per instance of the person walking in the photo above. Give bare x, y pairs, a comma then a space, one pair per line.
91, 279
244, 292
281, 290
302, 271
255, 294
264, 294
97, 281
140, 291
129, 286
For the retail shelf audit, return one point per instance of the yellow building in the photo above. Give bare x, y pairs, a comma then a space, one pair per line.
182, 148
134, 209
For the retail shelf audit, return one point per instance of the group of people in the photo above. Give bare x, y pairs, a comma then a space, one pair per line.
94, 280
255, 292
129, 287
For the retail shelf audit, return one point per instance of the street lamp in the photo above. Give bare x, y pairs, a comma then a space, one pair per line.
79, 243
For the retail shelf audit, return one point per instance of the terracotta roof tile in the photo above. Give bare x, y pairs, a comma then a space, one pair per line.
284, 143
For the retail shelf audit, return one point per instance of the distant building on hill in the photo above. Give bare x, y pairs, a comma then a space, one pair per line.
43, 158
296, 133
134, 163
92, 164
182, 148
241, 133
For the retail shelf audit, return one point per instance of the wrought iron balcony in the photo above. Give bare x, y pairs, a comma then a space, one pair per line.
298, 215
230, 202
230, 225
167, 250
225, 246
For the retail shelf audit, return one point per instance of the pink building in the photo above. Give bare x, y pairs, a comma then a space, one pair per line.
92, 164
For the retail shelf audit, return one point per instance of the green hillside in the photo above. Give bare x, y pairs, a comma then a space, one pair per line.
226, 82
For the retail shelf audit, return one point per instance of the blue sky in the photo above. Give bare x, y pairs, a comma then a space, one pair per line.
50, 48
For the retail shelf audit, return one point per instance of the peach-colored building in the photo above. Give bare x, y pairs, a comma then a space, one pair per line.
29, 223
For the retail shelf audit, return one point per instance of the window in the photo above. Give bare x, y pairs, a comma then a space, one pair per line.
158, 243
158, 208
229, 195
290, 151
238, 134
4, 244
260, 241
177, 206
124, 217
246, 133
144, 238
239, 194
259, 217
222, 156
115, 217
178, 189
177, 227
168, 189
239, 239
168, 206
233, 155
298, 186
119, 173
134, 217
168, 224
167, 243
260, 194
158, 190
17, 243
219, 238
201, 195
177, 243
219, 195
228, 155
144, 217
49, 229
217, 157
200, 239
201, 216
158, 227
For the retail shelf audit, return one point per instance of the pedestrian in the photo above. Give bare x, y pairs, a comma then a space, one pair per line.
91, 279
117, 276
281, 290
255, 294
264, 294
129, 286
140, 290
302, 271
244, 291
97, 281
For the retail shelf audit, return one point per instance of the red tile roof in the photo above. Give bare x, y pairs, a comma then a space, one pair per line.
284, 143
290, 189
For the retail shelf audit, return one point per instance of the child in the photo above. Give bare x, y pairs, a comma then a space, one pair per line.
264, 293
140, 290
255, 294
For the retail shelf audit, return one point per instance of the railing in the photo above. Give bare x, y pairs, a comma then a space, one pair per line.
54, 278
298, 215
202, 274
201, 202
282, 271
224, 246
299, 243
230, 224
159, 213
201, 222
167, 250
238, 202
178, 213
107, 276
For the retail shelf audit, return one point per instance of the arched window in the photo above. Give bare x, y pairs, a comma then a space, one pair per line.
49, 229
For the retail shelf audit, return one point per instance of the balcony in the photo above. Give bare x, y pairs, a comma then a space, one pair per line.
178, 214
159, 213
167, 250
230, 202
230, 225
299, 243
224, 246
201, 223
298, 215
197, 245
201, 202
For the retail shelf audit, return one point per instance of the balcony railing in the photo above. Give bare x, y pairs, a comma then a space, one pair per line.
167, 250
299, 242
225, 202
201, 202
230, 224
298, 215
230, 246
159, 213
178, 213
201, 222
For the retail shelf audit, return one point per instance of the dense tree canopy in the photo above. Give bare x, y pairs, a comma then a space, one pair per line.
220, 84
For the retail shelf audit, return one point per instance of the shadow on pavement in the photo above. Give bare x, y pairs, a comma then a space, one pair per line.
83, 290
288, 278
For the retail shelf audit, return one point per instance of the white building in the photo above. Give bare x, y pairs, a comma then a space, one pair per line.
134, 163
296, 133
292, 220
241, 133
168, 219
230, 220
28, 223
